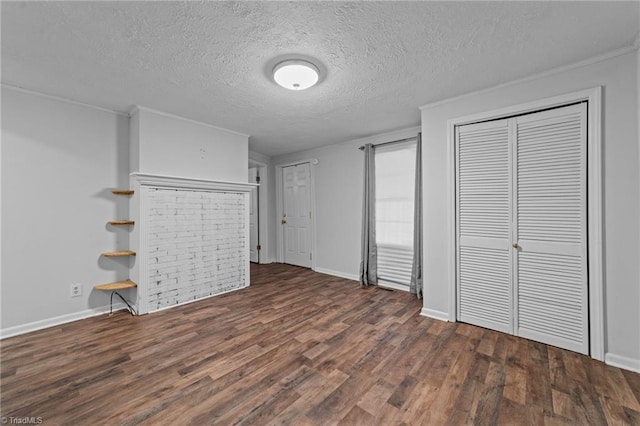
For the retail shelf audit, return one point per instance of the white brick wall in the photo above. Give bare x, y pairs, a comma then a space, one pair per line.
196, 245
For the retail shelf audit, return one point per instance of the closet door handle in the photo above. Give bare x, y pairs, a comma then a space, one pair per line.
515, 245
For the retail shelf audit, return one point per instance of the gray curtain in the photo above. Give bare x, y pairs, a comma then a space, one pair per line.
369, 262
415, 287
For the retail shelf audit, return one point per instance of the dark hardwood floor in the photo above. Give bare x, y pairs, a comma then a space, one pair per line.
299, 348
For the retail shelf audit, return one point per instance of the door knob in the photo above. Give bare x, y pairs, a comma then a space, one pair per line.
515, 245
283, 221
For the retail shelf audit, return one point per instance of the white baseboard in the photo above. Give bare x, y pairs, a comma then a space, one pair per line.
337, 274
266, 261
620, 361
432, 313
62, 319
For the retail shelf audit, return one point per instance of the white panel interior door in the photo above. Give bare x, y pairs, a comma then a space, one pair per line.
551, 252
254, 253
296, 218
485, 290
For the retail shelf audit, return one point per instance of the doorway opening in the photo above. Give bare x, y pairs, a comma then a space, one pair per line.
258, 235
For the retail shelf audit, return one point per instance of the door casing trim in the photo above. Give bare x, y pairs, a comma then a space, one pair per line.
263, 211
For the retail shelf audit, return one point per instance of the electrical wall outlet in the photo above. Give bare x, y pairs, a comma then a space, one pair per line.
76, 290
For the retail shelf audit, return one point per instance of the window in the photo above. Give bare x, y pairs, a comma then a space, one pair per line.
395, 183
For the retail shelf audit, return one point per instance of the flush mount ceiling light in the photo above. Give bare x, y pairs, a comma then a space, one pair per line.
296, 74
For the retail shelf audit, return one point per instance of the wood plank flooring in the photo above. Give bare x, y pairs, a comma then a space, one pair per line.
302, 348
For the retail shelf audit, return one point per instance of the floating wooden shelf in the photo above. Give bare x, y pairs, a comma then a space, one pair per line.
118, 285
119, 253
122, 192
121, 222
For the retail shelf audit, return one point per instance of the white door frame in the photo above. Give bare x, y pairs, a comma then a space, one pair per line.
263, 197
254, 210
593, 97
279, 208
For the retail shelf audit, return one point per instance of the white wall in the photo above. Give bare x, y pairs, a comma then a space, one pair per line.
59, 162
338, 200
619, 77
173, 146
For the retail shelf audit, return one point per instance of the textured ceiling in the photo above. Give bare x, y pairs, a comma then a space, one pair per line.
210, 61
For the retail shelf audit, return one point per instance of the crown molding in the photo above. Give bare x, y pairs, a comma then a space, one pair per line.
594, 60
406, 132
137, 108
61, 99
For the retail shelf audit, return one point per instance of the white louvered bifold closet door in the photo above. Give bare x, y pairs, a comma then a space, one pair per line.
551, 253
521, 220
485, 290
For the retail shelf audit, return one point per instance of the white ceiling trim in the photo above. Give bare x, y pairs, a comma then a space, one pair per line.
600, 58
385, 137
133, 111
61, 99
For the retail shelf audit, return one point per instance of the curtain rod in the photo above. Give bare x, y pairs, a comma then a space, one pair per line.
389, 143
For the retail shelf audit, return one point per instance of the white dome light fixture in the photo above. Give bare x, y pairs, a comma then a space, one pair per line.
296, 74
